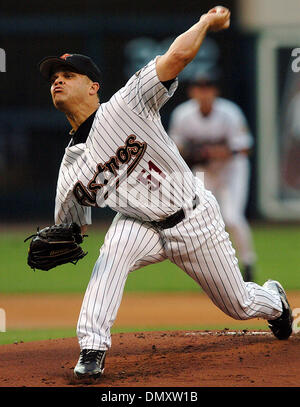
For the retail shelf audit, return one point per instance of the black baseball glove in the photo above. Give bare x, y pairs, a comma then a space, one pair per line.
55, 245
197, 153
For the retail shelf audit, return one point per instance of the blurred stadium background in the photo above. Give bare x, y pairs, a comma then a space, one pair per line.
257, 57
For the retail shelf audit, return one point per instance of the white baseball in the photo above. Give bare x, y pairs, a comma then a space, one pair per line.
219, 9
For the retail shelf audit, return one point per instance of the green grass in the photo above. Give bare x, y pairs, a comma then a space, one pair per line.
278, 250
25, 335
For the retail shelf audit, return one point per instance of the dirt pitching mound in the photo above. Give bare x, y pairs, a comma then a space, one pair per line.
161, 359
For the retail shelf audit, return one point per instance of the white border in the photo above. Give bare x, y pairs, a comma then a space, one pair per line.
268, 166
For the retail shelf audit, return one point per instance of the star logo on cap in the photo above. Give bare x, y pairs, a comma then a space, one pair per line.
65, 56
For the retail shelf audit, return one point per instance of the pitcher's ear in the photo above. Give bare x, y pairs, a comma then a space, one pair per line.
94, 88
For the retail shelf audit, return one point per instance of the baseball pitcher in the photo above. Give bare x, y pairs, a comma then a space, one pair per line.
120, 155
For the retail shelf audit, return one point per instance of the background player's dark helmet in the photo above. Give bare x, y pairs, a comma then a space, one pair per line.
205, 78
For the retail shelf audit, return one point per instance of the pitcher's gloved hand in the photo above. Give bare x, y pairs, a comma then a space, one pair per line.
55, 245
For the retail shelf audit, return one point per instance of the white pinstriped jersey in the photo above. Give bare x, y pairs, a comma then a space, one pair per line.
225, 122
128, 161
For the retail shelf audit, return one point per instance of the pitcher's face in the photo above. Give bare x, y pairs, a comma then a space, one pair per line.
69, 89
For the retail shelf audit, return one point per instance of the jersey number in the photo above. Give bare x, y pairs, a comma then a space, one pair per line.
149, 179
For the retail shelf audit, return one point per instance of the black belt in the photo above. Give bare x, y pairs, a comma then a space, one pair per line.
177, 217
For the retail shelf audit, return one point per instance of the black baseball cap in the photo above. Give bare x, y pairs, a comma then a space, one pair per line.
75, 62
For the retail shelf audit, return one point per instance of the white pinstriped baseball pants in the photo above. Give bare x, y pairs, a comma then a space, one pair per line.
199, 245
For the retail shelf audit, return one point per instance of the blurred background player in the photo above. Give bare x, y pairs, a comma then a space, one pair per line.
212, 135
291, 143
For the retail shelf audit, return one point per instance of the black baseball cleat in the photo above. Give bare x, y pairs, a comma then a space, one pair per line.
90, 364
282, 326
